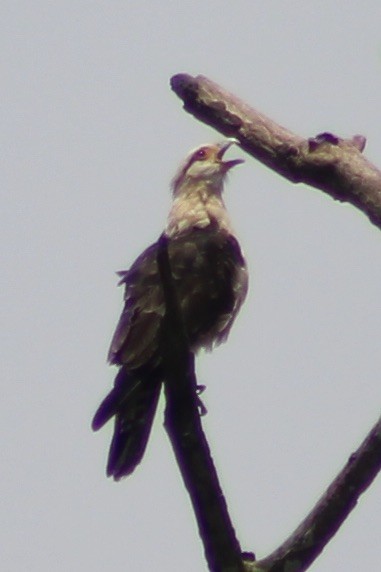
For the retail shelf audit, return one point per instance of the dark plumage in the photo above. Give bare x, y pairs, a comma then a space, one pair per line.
210, 278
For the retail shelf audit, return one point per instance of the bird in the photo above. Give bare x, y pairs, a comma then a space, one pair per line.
210, 278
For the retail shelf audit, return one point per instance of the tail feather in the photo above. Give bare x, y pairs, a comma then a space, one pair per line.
125, 387
133, 401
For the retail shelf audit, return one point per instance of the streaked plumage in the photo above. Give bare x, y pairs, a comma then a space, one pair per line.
210, 278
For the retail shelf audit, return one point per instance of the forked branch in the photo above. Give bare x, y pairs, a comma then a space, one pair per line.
337, 167
192, 452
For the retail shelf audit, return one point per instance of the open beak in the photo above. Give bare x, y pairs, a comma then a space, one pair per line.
223, 148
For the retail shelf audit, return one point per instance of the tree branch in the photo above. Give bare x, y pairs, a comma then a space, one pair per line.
334, 165
183, 425
313, 534
338, 168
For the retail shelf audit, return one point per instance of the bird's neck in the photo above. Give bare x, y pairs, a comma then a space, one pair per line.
197, 207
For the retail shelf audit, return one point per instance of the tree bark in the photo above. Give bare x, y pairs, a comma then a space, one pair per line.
335, 166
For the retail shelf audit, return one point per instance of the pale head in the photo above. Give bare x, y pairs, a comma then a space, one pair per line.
205, 165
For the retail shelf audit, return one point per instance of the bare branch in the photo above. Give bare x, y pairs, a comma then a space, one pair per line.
334, 165
338, 168
313, 534
183, 425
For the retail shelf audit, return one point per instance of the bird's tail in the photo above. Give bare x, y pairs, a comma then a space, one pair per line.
133, 401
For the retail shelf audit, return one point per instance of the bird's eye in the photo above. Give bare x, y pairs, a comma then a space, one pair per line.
200, 154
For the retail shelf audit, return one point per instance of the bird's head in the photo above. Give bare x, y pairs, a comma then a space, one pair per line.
205, 166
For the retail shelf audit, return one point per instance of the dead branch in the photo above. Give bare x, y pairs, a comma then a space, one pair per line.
335, 166
306, 543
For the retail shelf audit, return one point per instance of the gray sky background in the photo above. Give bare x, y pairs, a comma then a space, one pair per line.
91, 136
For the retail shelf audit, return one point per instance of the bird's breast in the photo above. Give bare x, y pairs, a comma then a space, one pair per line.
197, 211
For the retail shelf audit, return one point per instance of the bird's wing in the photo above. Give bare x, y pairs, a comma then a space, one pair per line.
135, 341
210, 279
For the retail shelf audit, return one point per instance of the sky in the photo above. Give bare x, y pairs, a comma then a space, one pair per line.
91, 136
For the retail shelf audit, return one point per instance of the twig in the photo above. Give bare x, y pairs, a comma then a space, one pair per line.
183, 425
329, 163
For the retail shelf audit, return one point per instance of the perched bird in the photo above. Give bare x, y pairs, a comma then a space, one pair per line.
210, 279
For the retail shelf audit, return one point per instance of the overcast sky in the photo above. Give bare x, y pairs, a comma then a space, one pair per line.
91, 136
